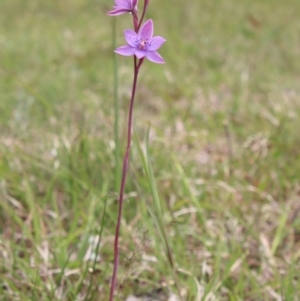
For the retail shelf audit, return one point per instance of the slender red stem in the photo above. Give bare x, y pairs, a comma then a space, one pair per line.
135, 20
123, 181
143, 14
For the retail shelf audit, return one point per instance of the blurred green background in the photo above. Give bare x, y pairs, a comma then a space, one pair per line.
224, 147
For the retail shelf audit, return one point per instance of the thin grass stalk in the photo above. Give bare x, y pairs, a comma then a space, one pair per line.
116, 108
98, 245
157, 214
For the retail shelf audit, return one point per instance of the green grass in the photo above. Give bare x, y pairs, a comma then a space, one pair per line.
219, 184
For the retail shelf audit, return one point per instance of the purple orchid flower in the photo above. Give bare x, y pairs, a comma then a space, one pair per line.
123, 7
142, 44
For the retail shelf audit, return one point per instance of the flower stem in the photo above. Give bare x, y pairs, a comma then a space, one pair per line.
137, 66
143, 14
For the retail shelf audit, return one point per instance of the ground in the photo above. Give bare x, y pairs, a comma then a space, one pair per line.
217, 186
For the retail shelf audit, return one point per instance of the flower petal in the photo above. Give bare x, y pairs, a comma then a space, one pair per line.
134, 3
123, 3
117, 12
155, 43
140, 53
131, 37
125, 50
146, 31
155, 57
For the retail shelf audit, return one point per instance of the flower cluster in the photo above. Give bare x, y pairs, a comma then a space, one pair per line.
140, 41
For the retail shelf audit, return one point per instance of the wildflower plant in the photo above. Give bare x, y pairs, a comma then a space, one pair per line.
140, 44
